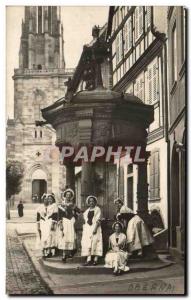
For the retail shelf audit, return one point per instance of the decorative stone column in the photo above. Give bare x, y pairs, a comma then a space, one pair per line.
70, 175
87, 181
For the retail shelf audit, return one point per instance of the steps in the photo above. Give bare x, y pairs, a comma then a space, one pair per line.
75, 266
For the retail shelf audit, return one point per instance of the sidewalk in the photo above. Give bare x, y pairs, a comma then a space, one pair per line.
21, 277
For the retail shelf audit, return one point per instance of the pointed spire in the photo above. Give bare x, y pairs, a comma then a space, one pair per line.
39, 20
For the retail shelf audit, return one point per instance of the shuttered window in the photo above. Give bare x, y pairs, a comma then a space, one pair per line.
148, 16
139, 87
154, 185
138, 19
128, 35
152, 83
119, 47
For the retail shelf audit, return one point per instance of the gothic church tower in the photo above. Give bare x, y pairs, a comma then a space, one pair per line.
38, 82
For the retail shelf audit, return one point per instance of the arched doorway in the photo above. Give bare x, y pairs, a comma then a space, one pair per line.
39, 185
175, 196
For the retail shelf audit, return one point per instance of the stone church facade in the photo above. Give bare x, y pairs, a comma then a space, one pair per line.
38, 82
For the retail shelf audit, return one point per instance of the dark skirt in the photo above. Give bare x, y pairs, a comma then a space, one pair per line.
20, 210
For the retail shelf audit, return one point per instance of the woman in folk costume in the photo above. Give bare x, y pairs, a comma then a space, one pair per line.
53, 212
137, 232
116, 257
91, 242
46, 218
67, 214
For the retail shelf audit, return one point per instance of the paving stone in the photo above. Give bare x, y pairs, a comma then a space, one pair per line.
21, 277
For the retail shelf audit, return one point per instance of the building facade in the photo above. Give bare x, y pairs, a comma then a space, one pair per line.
177, 127
138, 55
38, 82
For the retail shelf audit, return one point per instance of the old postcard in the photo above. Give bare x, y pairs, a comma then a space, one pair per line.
96, 150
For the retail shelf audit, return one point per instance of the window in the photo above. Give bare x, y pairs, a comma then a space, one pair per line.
49, 18
40, 19
37, 107
138, 19
174, 54
130, 169
119, 47
154, 186
40, 133
153, 82
128, 35
139, 88
35, 134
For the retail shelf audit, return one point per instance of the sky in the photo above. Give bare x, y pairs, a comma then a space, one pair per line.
77, 22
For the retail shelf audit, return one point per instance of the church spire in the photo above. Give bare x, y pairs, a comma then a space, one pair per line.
42, 38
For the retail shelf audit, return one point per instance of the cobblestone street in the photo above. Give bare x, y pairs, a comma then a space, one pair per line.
21, 277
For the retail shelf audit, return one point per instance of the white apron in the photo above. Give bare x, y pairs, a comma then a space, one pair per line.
67, 237
117, 258
48, 237
92, 243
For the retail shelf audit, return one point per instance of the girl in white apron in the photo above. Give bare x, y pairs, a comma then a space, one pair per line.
53, 212
67, 214
91, 242
116, 257
45, 226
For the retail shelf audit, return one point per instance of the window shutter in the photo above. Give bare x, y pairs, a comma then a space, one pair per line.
140, 87
120, 45
154, 175
117, 48
155, 81
152, 78
150, 73
140, 20
157, 183
128, 35
136, 23
125, 36
151, 177
148, 16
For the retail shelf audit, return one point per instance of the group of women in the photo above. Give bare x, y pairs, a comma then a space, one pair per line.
56, 228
